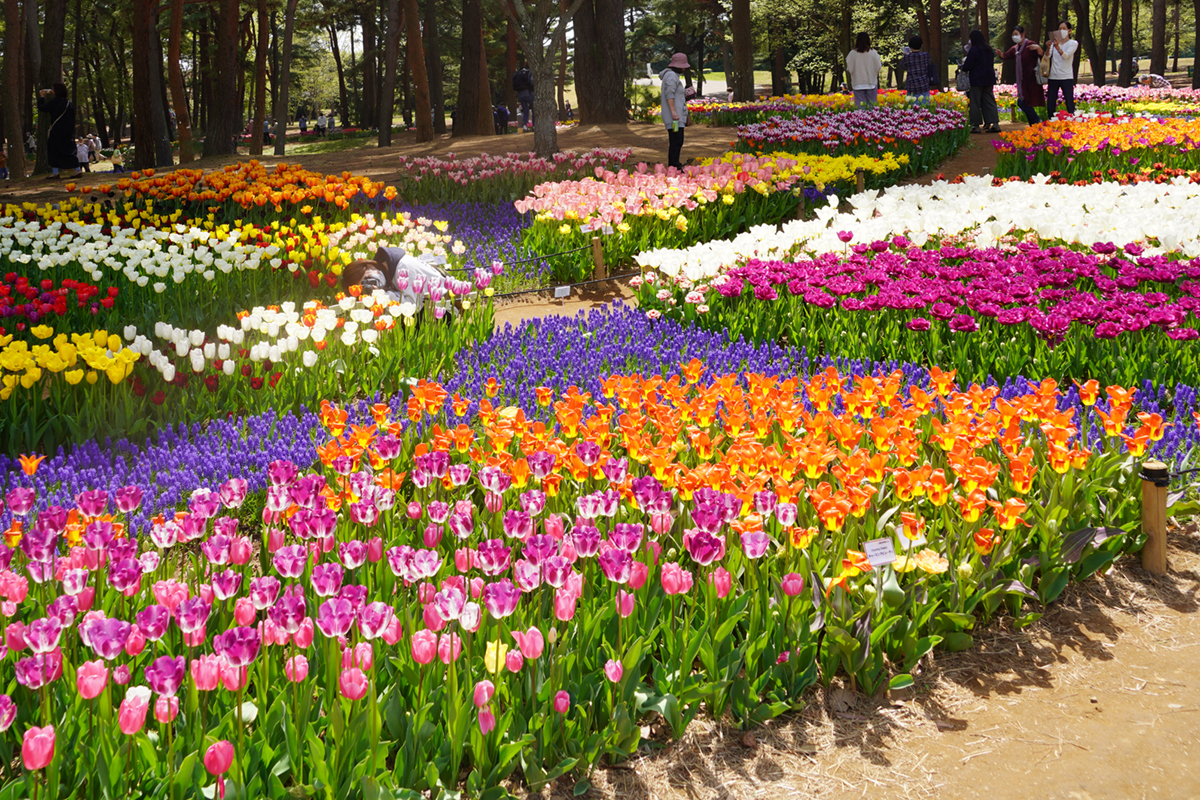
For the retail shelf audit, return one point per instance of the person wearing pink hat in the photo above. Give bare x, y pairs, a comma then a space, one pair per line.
674, 107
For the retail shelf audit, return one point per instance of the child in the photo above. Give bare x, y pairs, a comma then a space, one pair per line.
118, 160
81, 154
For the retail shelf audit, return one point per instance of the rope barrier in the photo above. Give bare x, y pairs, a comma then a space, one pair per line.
566, 285
522, 261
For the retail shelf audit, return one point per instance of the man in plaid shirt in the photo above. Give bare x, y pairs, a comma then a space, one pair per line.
915, 62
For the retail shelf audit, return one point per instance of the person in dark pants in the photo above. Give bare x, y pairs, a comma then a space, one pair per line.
60, 141
1061, 48
674, 107
523, 86
980, 67
1027, 54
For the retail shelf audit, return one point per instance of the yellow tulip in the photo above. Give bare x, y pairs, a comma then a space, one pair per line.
42, 331
114, 342
73, 376
92, 377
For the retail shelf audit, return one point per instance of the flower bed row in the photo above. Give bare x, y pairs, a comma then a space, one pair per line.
641, 209
496, 179
1077, 147
1121, 100
518, 594
926, 135
711, 112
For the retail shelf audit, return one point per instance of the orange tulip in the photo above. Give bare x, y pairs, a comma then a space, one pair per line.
30, 464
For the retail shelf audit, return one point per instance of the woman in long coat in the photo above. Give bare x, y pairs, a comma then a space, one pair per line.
60, 141
1027, 54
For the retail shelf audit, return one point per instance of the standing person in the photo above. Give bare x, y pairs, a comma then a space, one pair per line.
321, 123
980, 67
118, 160
31, 143
522, 84
1061, 48
1027, 54
674, 107
81, 156
916, 65
4, 163
863, 64
303, 122
60, 141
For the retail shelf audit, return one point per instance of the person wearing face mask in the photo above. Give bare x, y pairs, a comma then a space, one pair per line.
1027, 54
1061, 48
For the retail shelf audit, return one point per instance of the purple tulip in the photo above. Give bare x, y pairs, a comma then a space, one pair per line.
106, 637
617, 565
500, 598
153, 621
165, 674
226, 584
754, 543
627, 536
240, 646
334, 617
42, 635
191, 614
327, 579
703, 547
290, 611
493, 556
374, 619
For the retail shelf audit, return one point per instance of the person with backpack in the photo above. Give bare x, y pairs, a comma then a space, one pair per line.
1028, 56
522, 84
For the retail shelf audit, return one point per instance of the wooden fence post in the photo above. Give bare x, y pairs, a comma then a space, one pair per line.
598, 258
1155, 479
860, 179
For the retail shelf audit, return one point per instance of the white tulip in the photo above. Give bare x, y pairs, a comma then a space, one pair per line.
228, 367
309, 359
197, 358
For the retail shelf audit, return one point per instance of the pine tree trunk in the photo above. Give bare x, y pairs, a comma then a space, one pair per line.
283, 109
466, 112
11, 99
1196, 38
1008, 70
143, 126
416, 64
221, 114
487, 123
1158, 37
1087, 39
387, 94
260, 81
600, 55
510, 67
433, 67
159, 119
743, 52
1125, 76
183, 122
371, 89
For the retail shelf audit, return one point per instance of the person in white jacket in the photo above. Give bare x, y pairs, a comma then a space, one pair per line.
863, 65
1061, 48
674, 113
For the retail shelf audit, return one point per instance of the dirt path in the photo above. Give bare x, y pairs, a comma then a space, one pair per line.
1099, 699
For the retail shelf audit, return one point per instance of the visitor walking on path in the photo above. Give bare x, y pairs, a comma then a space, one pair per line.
980, 68
522, 83
917, 67
60, 141
1061, 48
1027, 54
863, 65
674, 107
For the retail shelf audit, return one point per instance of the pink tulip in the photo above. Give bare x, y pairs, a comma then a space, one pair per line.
275, 540
483, 693
37, 747
393, 632
121, 675
131, 716
462, 559
414, 510
638, 575
232, 678
196, 637
14, 636
361, 655
135, 643
792, 584
433, 620
514, 661
243, 612
722, 580
166, 709
240, 550
217, 760
675, 579
170, 594
424, 647
304, 636
564, 605
487, 720
613, 670
353, 684
554, 526
531, 642
449, 647
91, 678
86, 596
562, 702
206, 672
375, 550
625, 602
296, 668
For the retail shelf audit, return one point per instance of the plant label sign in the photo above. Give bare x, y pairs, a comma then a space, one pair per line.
562, 291
880, 552
908, 545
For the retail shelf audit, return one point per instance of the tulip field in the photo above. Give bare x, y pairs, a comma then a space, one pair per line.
267, 536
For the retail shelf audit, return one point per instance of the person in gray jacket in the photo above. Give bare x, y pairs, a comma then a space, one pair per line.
674, 107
